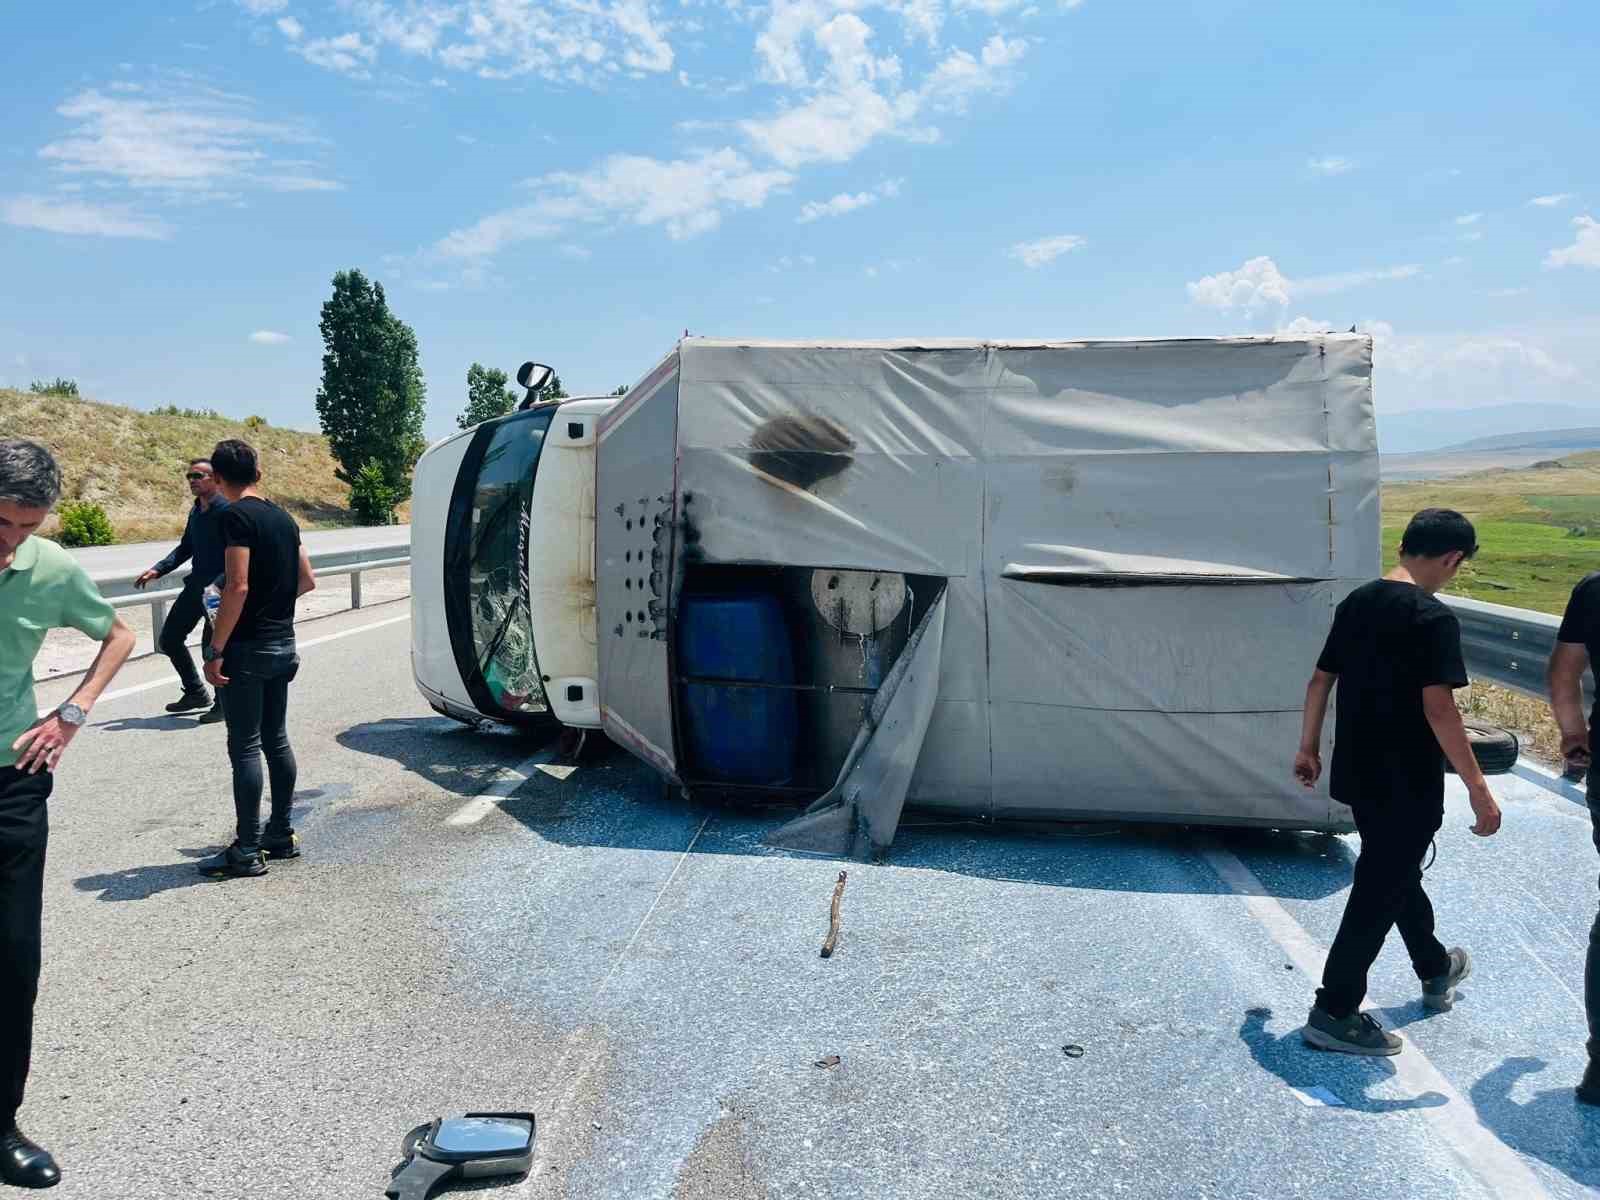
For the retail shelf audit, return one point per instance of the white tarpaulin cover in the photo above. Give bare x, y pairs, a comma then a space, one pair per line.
1142, 544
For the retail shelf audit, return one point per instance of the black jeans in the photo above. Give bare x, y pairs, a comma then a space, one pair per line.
1591, 967
1387, 892
259, 674
24, 831
188, 610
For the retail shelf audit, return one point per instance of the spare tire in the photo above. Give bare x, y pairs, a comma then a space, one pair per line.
1495, 749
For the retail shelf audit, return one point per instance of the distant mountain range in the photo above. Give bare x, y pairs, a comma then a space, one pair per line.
1507, 451
1453, 429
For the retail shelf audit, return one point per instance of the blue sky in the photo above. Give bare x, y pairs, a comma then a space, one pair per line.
580, 182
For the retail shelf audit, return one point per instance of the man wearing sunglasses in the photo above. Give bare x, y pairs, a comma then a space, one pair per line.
202, 542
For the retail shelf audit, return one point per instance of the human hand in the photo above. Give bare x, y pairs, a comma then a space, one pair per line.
1575, 750
40, 748
1485, 808
147, 578
214, 675
1308, 767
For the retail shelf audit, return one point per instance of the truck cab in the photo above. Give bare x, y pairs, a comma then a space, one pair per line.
503, 605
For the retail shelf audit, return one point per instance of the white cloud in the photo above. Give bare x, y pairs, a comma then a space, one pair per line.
788, 263
269, 337
1254, 284
581, 41
291, 29
1502, 360
198, 142
1584, 252
685, 196
1553, 201
349, 54
846, 202
263, 8
1259, 282
1331, 165
1474, 236
1469, 218
72, 217
1044, 250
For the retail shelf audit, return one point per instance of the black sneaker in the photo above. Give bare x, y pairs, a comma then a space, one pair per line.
1356, 1034
1439, 993
285, 845
190, 701
1588, 1091
213, 714
234, 862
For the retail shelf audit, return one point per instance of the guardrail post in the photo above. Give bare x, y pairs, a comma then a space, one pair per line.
158, 618
355, 589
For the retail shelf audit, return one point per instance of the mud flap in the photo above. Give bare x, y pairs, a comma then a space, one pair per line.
858, 816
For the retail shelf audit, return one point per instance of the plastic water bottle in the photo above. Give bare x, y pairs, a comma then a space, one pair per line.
213, 600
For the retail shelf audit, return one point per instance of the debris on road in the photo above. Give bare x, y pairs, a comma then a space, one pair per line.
828, 1062
1072, 1050
832, 939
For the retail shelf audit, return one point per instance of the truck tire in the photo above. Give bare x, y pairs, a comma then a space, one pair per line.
1495, 749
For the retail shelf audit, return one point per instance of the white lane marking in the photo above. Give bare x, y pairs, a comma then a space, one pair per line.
1317, 1097
119, 693
506, 781
1499, 1168
1542, 777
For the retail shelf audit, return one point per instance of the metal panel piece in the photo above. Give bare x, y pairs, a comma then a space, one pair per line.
634, 530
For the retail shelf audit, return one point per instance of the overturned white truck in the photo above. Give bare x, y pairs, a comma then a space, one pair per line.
1065, 580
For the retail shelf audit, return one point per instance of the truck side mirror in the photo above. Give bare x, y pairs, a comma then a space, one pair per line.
533, 376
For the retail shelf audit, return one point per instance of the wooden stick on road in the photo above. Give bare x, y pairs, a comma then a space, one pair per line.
832, 939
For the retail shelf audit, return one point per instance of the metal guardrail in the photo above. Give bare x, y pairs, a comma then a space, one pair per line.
1510, 646
119, 589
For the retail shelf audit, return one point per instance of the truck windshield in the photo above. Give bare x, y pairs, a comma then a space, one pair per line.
487, 564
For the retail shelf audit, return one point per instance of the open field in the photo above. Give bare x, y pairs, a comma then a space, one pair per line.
1538, 528
131, 462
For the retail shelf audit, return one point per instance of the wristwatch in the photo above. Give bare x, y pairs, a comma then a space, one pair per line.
210, 653
72, 714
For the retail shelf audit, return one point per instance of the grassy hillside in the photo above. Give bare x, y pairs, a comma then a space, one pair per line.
131, 463
1538, 528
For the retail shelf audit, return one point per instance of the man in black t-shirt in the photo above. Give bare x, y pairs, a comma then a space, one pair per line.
252, 651
1395, 654
1577, 646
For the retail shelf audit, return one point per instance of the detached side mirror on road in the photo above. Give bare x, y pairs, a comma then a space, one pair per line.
470, 1147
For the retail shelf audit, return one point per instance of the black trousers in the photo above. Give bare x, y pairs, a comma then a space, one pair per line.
1591, 967
259, 674
24, 831
188, 610
1387, 892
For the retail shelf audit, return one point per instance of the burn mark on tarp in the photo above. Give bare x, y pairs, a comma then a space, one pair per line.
801, 449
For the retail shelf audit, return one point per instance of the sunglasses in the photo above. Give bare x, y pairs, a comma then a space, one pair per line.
193, 475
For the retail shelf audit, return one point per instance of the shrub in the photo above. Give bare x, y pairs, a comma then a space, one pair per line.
372, 498
255, 422
54, 387
84, 524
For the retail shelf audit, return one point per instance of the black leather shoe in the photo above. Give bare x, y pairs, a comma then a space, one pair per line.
212, 715
1589, 1090
24, 1164
190, 701
235, 862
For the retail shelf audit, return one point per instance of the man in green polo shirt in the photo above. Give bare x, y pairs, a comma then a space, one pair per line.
41, 588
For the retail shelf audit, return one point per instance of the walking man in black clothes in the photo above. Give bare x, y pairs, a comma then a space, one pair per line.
252, 653
202, 542
1578, 645
1395, 655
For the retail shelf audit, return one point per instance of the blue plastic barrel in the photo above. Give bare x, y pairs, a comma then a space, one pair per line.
737, 734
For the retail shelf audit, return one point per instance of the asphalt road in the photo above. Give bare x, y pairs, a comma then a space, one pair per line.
645, 976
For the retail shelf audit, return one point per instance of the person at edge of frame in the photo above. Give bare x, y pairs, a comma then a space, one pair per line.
1394, 653
42, 587
1577, 647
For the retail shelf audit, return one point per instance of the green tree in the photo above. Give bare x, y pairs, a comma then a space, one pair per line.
487, 396
620, 390
552, 390
84, 524
54, 387
371, 498
371, 397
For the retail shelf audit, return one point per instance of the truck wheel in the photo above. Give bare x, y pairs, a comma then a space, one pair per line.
1495, 749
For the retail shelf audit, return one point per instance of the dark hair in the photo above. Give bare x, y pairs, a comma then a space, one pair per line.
236, 462
195, 462
1435, 532
29, 476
